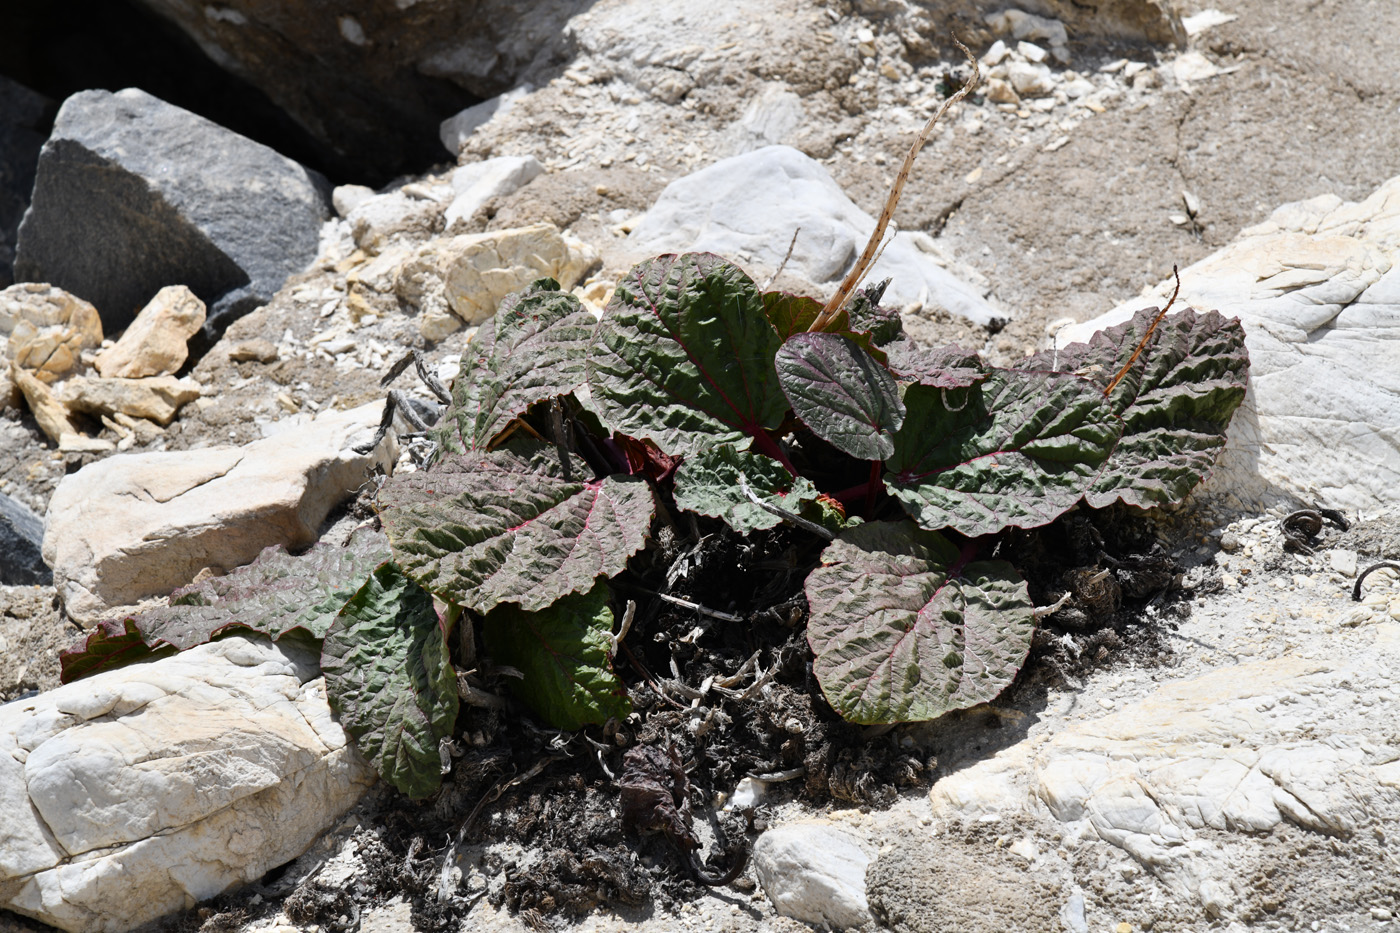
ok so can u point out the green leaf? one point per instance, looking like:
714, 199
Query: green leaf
684, 356
867, 315
903, 631
276, 594
1176, 400
563, 653
793, 314
389, 676
949, 367
533, 349
1017, 450
506, 526
841, 393
708, 484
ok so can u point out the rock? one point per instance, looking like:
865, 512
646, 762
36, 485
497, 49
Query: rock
21, 537
258, 349
48, 329
1000, 91
1152, 21
1185, 780
1030, 80
457, 129
814, 872
157, 342
470, 274
48, 411
935, 885
771, 118
23, 116
133, 194
746, 209
82, 444
138, 525
377, 222
479, 182
182, 777
1317, 288
156, 397
1023, 26
345, 198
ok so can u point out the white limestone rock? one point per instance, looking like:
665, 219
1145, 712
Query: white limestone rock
157, 342
470, 274
1317, 289
479, 182
1236, 752
47, 329
747, 207
135, 526
144, 790
814, 871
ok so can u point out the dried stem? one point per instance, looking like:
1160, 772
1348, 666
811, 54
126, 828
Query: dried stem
1113, 383
867, 257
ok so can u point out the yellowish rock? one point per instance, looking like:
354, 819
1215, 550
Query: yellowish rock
51, 413
157, 342
157, 398
48, 329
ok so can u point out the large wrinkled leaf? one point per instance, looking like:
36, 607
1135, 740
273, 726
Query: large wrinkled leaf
684, 356
563, 652
1017, 450
841, 393
275, 594
533, 349
708, 484
390, 677
1176, 400
903, 631
945, 367
506, 526
792, 314
865, 314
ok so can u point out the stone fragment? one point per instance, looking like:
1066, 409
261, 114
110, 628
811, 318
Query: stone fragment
141, 791
1000, 91
813, 871
82, 444
258, 349
138, 525
747, 207
133, 194
1317, 289
1030, 80
477, 183
378, 222
157, 342
457, 129
156, 397
21, 538
48, 411
48, 329
470, 274
345, 198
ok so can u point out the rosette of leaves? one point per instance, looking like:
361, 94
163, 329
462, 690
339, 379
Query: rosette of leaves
698, 392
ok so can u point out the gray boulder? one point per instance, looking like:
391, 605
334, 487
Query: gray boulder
21, 538
133, 194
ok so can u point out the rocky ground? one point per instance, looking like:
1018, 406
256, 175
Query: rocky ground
1068, 198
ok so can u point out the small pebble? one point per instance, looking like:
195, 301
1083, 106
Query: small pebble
1230, 542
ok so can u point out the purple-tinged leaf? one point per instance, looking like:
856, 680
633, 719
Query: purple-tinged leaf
684, 356
944, 368
275, 594
563, 652
842, 393
1017, 450
484, 528
389, 675
904, 631
792, 314
708, 484
1176, 400
533, 349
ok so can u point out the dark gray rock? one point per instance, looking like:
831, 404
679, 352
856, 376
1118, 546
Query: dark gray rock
21, 535
133, 194
24, 116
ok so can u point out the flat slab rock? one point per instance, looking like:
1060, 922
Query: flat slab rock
141, 791
134, 526
747, 208
1317, 288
